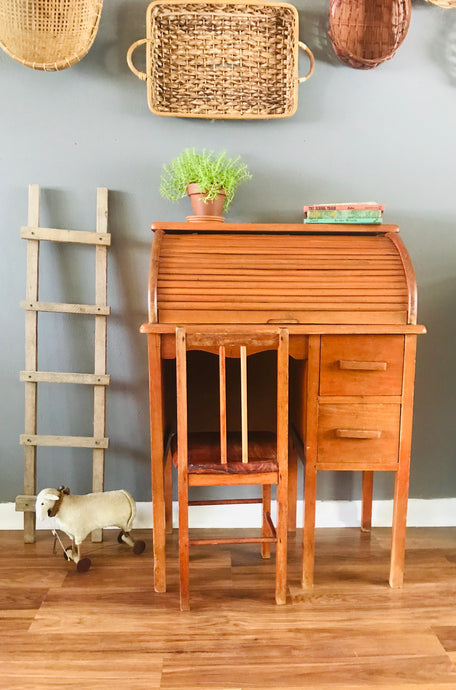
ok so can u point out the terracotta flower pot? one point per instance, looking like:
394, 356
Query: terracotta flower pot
213, 209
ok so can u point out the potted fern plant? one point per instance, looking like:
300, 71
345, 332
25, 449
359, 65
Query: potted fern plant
210, 180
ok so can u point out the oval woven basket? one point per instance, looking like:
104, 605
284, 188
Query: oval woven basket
365, 33
446, 4
48, 34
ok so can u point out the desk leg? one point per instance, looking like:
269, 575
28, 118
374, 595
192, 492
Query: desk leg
310, 460
401, 485
156, 448
308, 536
366, 503
399, 528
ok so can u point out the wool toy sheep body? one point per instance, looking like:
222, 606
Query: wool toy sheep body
79, 515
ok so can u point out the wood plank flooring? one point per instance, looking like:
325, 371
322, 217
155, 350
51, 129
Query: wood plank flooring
107, 628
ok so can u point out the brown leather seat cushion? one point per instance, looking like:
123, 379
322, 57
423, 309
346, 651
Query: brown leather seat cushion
204, 453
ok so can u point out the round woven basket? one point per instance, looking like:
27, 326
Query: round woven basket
446, 4
365, 33
48, 34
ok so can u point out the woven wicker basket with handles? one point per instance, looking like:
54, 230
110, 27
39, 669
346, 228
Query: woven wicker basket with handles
48, 34
225, 59
365, 33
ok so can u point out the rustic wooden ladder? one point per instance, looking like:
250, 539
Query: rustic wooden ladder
34, 234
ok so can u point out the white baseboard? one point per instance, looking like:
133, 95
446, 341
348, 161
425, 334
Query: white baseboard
437, 512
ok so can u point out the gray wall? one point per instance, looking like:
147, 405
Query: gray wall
386, 134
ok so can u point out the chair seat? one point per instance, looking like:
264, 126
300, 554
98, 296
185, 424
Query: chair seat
204, 453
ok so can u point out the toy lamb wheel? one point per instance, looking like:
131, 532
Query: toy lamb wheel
83, 565
139, 547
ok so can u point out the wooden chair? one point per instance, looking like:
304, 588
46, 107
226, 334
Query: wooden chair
233, 458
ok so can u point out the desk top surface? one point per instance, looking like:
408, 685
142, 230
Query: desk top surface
277, 228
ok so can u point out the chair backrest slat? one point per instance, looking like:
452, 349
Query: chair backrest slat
222, 390
244, 416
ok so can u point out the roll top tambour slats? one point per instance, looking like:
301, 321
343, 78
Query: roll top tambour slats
243, 278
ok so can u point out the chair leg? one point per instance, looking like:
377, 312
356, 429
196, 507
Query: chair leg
182, 470
184, 572
366, 503
266, 547
156, 449
281, 545
184, 547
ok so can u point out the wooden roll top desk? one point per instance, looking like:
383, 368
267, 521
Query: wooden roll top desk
347, 295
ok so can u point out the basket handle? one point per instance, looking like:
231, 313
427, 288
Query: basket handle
131, 50
310, 55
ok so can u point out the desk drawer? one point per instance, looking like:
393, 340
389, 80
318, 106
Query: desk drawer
361, 364
358, 433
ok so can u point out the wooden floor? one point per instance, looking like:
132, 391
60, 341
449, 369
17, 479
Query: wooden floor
108, 628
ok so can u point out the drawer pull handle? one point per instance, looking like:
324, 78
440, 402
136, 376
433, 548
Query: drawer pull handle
353, 365
358, 433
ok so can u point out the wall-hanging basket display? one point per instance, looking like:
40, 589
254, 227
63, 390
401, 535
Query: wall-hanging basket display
48, 34
226, 59
365, 33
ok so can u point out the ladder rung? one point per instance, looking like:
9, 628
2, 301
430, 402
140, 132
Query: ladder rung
64, 441
25, 504
62, 377
61, 308
71, 236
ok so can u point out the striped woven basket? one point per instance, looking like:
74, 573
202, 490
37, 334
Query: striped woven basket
365, 33
225, 59
48, 34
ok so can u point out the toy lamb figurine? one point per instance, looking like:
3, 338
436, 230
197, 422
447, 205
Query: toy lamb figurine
78, 516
